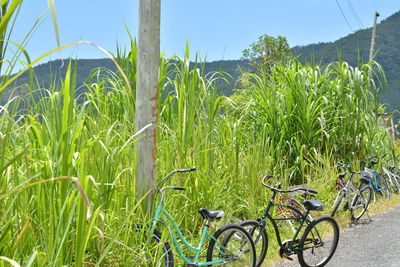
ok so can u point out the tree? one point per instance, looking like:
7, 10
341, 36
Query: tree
266, 51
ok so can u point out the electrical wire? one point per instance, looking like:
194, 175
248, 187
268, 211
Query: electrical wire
353, 11
344, 16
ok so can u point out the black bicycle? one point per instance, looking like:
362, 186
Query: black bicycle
318, 242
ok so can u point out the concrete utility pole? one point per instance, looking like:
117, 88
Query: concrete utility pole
148, 60
371, 51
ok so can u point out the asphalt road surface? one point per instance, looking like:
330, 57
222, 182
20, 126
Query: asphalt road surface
373, 243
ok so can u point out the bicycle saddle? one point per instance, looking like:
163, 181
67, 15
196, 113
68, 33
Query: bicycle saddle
312, 204
211, 214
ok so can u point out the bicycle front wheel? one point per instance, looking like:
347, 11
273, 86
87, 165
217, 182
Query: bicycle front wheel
384, 186
392, 182
153, 252
318, 242
361, 202
231, 245
337, 202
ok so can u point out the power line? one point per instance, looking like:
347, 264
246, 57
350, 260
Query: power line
353, 11
344, 16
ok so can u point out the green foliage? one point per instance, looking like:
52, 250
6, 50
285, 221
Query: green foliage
299, 111
294, 123
354, 49
266, 51
8, 9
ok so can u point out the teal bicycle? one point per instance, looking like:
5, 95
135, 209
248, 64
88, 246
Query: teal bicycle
230, 245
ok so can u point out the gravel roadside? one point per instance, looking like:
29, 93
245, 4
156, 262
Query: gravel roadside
369, 243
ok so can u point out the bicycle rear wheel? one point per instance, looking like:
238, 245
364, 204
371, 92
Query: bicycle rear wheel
360, 202
260, 238
318, 242
231, 245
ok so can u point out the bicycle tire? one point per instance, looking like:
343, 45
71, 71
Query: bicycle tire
166, 259
396, 178
259, 237
365, 193
313, 235
384, 186
233, 243
394, 184
337, 202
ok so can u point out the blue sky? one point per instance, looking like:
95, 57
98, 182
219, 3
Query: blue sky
216, 29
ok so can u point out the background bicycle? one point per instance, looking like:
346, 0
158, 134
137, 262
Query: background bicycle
390, 172
358, 198
376, 181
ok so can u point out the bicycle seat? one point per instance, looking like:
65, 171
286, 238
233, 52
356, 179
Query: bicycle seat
311, 204
211, 214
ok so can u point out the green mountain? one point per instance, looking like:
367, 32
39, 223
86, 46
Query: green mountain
353, 48
46, 72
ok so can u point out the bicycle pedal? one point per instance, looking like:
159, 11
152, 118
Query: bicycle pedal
288, 257
283, 251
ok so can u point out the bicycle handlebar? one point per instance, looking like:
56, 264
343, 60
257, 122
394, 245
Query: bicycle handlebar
175, 171
369, 158
306, 190
344, 166
186, 169
348, 168
179, 188
173, 188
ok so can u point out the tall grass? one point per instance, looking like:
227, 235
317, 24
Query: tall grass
298, 112
295, 122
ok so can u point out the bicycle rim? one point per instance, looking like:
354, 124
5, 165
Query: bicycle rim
260, 238
384, 188
233, 245
319, 242
360, 203
154, 251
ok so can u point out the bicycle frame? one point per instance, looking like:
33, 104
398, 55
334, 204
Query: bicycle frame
205, 236
373, 181
291, 203
303, 219
347, 187
393, 177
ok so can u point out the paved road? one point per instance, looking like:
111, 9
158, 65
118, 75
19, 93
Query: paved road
375, 243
